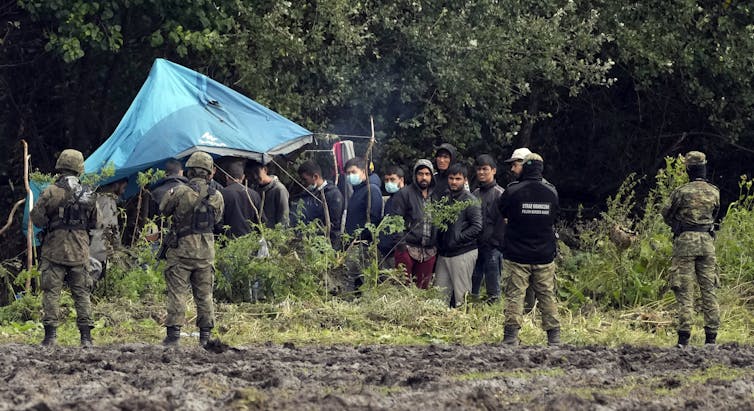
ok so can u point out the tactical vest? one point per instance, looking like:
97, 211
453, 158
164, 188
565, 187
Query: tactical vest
73, 214
202, 219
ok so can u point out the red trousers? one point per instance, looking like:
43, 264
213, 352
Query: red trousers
420, 273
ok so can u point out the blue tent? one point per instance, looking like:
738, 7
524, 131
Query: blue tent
179, 111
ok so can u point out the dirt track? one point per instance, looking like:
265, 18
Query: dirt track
148, 377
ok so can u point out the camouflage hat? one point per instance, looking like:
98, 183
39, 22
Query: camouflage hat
695, 158
533, 157
200, 159
71, 160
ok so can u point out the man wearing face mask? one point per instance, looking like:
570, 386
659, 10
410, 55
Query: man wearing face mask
364, 207
394, 181
321, 201
365, 204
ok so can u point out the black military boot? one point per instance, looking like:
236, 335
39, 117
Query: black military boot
86, 336
51, 335
510, 335
710, 335
683, 338
204, 335
553, 337
173, 335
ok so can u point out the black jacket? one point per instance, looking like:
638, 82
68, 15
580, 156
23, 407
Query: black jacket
461, 235
158, 190
275, 207
313, 209
531, 207
356, 217
409, 203
494, 226
241, 206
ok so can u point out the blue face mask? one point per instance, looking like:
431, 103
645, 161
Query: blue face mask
312, 187
354, 179
391, 187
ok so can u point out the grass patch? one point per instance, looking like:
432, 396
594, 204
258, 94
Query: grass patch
387, 315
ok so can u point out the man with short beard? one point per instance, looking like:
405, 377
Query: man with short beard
416, 247
445, 156
457, 245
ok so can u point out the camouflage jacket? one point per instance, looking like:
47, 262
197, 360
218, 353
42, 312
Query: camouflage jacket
179, 203
106, 234
694, 204
64, 245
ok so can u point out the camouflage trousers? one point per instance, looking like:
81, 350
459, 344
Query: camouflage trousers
542, 282
53, 276
196, 276
684, 271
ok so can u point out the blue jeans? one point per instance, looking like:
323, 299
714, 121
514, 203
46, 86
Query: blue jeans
487, 267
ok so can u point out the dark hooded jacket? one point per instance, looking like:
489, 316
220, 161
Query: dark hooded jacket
531, 207
241, 206
159, 188
313, 204
494, 226
364, 195
441, 177
463, 233
409, 203
274, 203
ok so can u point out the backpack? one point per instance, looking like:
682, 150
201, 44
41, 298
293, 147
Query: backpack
203, 215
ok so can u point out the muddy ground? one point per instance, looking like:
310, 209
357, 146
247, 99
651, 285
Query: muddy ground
149, 377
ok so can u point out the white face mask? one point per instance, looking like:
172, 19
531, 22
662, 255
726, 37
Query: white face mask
391, 187
312, 187
354, 179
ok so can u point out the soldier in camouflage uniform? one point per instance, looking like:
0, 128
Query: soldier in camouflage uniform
691, 215
196, 210
66, 211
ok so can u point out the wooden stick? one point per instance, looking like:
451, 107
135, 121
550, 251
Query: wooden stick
367, 159
136, 219
29, 225
10, 216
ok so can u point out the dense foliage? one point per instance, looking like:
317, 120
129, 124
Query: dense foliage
601, 88
604, 90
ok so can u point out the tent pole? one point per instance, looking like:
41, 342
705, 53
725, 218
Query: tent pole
29, 225
368, 160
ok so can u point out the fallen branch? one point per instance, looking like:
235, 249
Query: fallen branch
10, 216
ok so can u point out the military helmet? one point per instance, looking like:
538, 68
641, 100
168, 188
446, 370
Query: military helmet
695, 158
200, 159
71, 160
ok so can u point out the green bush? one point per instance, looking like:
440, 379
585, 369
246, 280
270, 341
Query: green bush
605, 272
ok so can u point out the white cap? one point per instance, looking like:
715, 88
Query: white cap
518, 154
